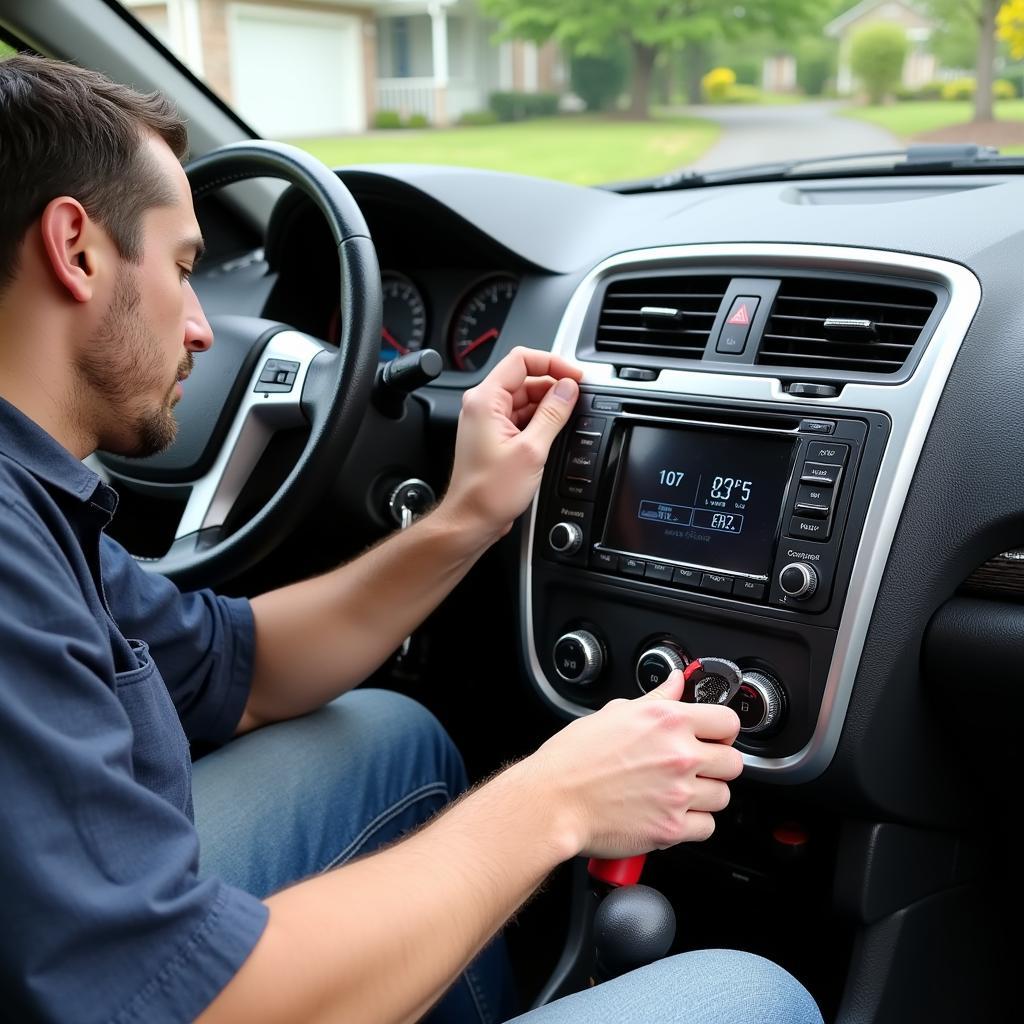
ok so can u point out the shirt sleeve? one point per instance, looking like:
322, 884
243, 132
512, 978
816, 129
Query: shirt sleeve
201, 642
103, 919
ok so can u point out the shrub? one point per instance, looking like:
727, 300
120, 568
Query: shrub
417, 121
716, 84
815, 65
959, 89
1003, 89
740, 93
478, 117
747, 70
387, 119
518, 106
876, 58
598, 81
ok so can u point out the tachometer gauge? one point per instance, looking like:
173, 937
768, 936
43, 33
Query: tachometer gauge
478, 321
404, 324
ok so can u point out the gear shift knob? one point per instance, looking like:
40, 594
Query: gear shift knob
634, 926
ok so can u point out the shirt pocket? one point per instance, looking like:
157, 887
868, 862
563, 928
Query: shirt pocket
160, 753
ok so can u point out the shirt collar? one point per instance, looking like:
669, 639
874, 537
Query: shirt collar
26, 443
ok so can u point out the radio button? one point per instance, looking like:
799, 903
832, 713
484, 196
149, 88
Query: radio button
826, 451
585, 442
590, 424
630, 566
658, 571
752, 590
819, 473
604, 560
716, 583
817, 426
581, 465
578, 490
565, 538
686, 578
811, 529
799, 580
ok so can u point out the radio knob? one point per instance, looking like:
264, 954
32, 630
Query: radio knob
799, 580
759, 703
656, 664
578, 657
565, 538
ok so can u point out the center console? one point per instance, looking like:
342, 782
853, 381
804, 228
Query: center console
723, 508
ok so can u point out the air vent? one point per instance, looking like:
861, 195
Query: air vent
834, 324
660, 316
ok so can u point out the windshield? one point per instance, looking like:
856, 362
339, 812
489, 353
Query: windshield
601, 91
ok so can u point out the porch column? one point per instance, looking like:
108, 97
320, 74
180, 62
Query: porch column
439, 49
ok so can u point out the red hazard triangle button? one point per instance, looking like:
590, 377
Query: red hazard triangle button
740, 316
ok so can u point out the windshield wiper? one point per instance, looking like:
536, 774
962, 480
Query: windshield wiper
920, 159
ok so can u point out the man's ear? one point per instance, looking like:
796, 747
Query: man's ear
68, 235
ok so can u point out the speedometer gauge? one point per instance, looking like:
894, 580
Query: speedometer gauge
404, 323
478, 321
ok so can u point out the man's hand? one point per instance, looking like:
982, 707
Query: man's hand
640, 774
506, 427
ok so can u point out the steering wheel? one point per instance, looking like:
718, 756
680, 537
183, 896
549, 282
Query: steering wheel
261, 377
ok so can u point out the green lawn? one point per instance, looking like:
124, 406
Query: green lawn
584, 150
907, 119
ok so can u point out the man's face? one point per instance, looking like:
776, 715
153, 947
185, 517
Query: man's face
153, 324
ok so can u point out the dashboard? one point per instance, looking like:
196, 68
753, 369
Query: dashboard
795, 452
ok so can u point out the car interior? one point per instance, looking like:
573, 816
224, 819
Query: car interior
796, 448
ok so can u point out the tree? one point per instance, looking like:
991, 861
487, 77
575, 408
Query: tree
1010, 27
980, 16
652, 27
877, 53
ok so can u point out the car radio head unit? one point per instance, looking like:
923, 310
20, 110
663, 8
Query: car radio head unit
703, 498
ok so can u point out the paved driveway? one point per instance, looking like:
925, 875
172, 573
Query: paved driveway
756, 134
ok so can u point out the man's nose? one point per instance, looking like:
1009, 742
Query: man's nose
198, 333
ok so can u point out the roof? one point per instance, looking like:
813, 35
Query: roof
837, 26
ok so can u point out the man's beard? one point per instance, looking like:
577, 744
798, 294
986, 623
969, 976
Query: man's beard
116, 367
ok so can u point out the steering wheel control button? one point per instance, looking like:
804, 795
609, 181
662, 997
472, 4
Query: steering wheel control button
759, 703
658, 571
799, 580
817, 427
732, 339
716, 583
277, 375
820, 473
711, 681
656, 664
686, 578
565, 538
606, 561
751, 590
578, 657
630, 566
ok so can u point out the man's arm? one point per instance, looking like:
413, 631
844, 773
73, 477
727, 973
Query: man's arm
381, 939
321, 637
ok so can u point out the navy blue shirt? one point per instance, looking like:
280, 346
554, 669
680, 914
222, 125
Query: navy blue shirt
106, 674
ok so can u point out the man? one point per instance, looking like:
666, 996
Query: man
115, 908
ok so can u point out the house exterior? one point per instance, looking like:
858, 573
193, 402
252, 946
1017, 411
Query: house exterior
920, 66
307, 68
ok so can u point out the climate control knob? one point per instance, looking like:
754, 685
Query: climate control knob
760, 702
657, 663
798, 580
565, 538
578, 657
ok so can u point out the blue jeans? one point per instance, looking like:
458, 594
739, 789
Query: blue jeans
301, 797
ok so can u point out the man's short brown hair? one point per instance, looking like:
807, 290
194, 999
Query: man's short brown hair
66, 130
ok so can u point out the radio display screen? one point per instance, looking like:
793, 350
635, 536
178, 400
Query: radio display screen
700, 497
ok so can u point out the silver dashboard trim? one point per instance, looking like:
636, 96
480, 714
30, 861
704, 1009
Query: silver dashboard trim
910, 406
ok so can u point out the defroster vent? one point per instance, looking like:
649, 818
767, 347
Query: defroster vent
660, 316
834, 324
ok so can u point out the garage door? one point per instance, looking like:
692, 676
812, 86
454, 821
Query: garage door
297, 73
